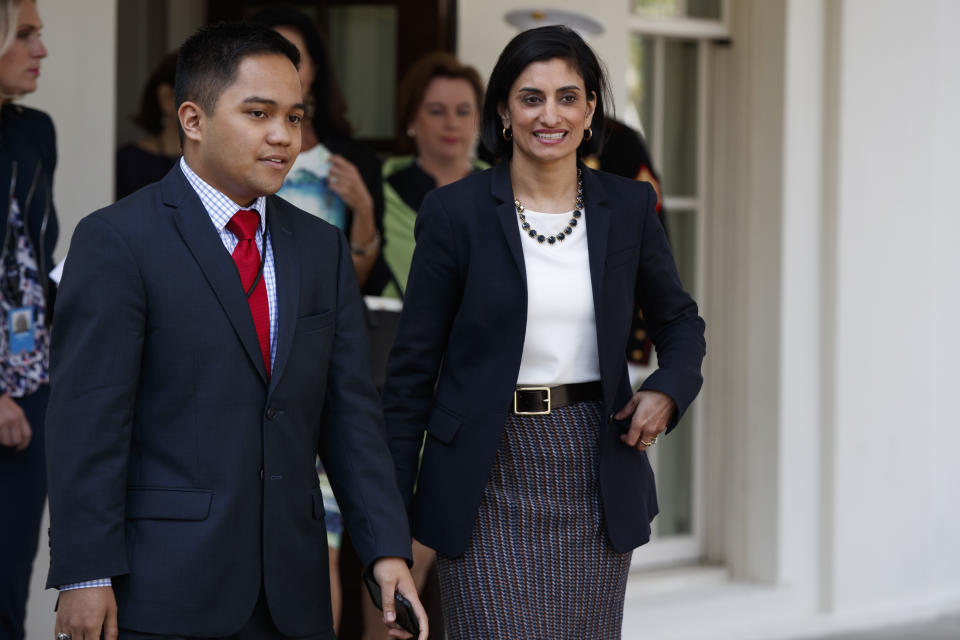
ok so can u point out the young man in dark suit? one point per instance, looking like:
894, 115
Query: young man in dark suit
209, 343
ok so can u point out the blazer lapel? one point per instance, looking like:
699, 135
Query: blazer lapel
287, 262
598, 232
218, 267
503, 191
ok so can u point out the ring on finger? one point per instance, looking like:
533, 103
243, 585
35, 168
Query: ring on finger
333, 179
63, 636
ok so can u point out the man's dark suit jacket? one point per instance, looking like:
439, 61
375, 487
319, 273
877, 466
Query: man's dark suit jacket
175, 466
455, 362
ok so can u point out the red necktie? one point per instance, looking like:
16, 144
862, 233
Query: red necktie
244, 224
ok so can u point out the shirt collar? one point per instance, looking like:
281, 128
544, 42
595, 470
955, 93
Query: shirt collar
219, 207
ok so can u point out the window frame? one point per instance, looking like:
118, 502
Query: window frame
689, 548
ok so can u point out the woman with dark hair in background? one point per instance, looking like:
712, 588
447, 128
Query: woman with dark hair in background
338, 179
534, 485
438, 108
149, 159
28, 224
334, 177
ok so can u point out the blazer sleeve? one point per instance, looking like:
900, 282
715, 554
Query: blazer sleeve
370, 169
676, 328
352, 442
430, 303
97, 342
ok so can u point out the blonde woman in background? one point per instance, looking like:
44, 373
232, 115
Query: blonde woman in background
438, 111
28, 225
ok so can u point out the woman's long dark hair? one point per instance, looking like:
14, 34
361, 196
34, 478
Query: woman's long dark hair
538, 45
150, 116
330, 107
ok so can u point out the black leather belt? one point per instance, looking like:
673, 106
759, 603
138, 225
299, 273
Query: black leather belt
539, 401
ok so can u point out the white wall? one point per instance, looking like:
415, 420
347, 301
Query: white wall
896, 425
835, 292
482, 34
800, 448
77, 89
832, 271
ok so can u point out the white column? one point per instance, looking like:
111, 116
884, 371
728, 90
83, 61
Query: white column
78, 90
896, 521
799, 446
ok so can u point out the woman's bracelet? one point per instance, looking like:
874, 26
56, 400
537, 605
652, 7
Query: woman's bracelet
366, 249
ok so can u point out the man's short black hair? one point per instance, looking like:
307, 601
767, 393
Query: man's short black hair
207, 62
329, 106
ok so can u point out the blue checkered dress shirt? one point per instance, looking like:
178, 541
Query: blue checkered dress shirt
220, 208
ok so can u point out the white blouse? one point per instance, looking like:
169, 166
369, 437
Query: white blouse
560, 346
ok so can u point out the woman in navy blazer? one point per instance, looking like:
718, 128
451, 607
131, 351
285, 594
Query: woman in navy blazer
534, 484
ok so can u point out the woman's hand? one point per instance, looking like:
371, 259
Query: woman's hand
651, 411
15, 431
346, 182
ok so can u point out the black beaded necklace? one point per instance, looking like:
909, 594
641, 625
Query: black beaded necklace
577, 212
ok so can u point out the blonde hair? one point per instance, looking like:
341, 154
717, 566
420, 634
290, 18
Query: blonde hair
9, 18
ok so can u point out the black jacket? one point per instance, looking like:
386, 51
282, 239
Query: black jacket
457, 355
28, 155
184, 472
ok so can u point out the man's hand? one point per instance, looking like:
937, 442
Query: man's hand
651, 411
15, 431
82, 613
393, 575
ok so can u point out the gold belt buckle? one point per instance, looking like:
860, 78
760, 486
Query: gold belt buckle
516, 411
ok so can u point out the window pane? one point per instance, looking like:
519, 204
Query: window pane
679, 166
657, 8
673, 460
703, 9
673, 469
681, 227
640, 81
363, 44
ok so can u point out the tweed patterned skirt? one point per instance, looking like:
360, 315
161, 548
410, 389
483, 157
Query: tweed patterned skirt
539, 565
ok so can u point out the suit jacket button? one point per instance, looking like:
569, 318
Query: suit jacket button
261, 473
271, 413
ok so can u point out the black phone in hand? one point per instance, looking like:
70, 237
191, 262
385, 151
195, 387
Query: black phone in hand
406, 617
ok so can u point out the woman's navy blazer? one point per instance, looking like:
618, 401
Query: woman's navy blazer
454, 365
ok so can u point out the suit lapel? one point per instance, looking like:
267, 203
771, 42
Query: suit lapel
598, 231
287, 261
507, 214
217, 265
599, 216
